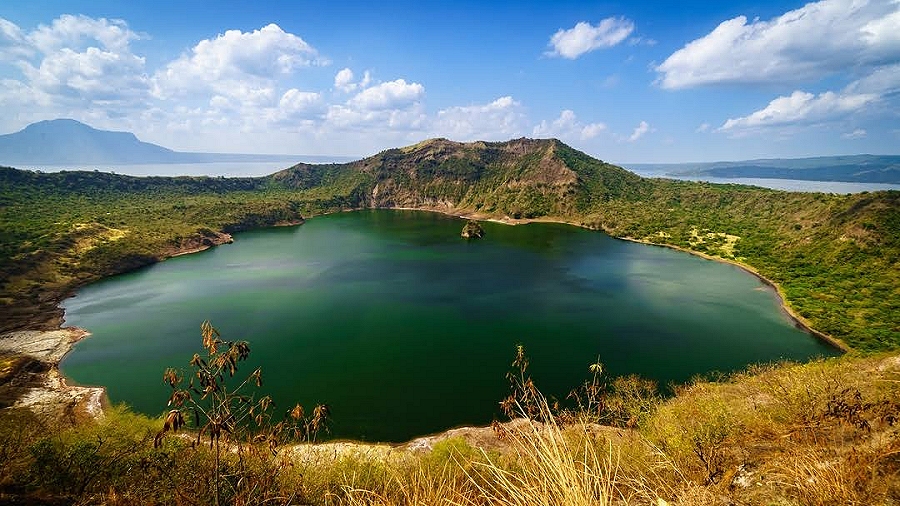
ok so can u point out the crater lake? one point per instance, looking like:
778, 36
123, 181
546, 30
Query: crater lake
405, 329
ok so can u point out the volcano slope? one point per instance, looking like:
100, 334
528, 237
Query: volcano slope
833, 257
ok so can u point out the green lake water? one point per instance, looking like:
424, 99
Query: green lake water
405, 329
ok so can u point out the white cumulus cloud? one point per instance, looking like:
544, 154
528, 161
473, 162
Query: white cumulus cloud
567, 127
639, 131
375, 121
876, 92
94, 74
389, 105
498, 120
236, 60
395, 94
818, 39
585, 37
68, 31
74, 62
343, 80
798, 108
859, 133
13, 42
883, 81
296, 104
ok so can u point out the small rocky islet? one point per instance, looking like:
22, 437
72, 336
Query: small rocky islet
472, 230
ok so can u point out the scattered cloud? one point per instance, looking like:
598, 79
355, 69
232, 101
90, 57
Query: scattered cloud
75, 63
882, 32
78, 32
592, 130
816, 40
876, 92
14, 44
641, 41
501, 119
240, 64
567, 128
250, 90
800, 108
343, 80
585, 37
219, 91
639, 131
883, 81
295, 104
396, 94
392, 105
343, 117
610, 81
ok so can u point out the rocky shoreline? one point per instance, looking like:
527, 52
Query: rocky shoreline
30, 356
39, 386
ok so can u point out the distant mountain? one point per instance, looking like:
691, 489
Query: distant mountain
854, 169
66, 141
63, 141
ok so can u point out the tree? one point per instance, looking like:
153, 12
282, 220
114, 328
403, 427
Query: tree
231, 415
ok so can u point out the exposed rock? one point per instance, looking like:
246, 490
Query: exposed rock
46, 346
56, 400
202, 240
36, 383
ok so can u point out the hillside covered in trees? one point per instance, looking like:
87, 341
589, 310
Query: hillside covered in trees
835, 257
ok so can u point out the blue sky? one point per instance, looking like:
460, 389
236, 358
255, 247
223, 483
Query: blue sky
623, 81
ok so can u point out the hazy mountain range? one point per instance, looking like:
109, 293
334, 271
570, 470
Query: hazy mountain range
852, 168
66, 141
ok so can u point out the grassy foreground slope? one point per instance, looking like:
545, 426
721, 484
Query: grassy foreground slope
821, 433
835, 257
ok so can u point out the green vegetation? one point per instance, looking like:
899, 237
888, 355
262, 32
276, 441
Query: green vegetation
810, 434
820, 433
229, 415
60, 231
835, 257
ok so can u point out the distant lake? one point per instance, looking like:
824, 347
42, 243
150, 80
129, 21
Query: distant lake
406, 329
793, 185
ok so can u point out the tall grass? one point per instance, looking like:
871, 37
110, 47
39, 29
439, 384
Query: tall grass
545, 463
816, 434
554, 468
